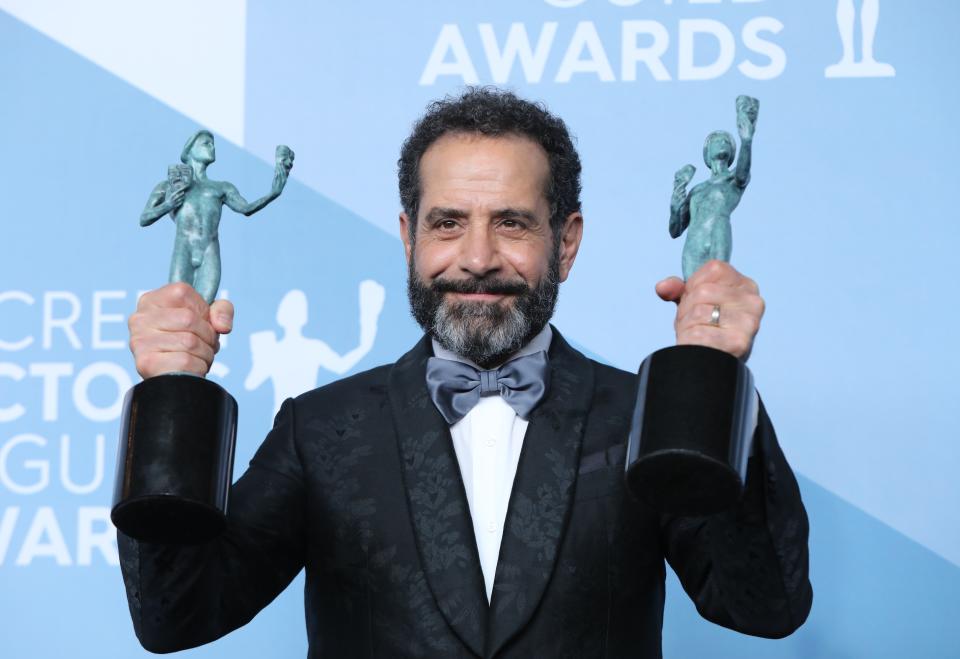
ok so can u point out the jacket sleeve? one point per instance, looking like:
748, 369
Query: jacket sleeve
747, 568
184, 596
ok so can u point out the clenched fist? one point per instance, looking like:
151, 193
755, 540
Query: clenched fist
715, 284
174, 331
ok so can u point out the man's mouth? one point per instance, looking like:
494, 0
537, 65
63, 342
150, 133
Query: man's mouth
478, 297
474, 290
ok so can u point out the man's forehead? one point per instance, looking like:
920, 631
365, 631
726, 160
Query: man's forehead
485, 164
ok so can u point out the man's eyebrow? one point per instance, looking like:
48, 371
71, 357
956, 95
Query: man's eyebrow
515, 214
439, 213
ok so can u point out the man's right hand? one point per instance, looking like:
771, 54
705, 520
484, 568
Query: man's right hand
176, 199
174, 331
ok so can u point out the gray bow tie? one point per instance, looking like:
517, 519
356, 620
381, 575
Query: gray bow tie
456, 387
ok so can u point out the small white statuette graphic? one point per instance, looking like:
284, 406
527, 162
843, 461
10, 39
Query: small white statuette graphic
293, 361
867, 67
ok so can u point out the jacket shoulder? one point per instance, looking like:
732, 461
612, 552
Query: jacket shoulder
607, 375
365, 387
614, 390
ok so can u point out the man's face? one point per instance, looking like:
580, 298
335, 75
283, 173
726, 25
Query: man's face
203, 149
484, 265
720, 148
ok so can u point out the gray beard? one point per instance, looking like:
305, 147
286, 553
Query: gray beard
484, 332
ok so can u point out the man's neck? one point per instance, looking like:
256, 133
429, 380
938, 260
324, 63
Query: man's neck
539, 342
199, 170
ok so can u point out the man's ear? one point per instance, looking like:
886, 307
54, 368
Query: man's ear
570, 237
405, 235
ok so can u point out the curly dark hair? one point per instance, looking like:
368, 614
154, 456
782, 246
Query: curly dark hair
494, 112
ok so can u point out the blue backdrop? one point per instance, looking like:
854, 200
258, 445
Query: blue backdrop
849, 226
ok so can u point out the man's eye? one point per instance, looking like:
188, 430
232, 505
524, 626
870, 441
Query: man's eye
447, 224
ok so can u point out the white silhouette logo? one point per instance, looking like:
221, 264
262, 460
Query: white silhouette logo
867, 67
293, 362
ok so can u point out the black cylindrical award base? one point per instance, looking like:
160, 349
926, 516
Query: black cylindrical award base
692, 431
175, 461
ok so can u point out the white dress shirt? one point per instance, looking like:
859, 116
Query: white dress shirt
487, 442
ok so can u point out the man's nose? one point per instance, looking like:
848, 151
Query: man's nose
478, 251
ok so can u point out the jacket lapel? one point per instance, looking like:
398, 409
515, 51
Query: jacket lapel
437, 501
542, 494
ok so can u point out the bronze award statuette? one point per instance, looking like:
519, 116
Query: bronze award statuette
178, 432
696, 407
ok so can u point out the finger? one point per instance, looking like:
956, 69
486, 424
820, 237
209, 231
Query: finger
750, 286
159, 363
177, 319
708, 292
177, 294
715, 271
723, 291
689, 315
730, 319
699, 303
221, 316
735, 343
158, 349
670, 289
174, 342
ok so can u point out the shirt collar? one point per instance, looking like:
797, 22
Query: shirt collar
540, 342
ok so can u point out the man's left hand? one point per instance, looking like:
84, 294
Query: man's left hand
715, 284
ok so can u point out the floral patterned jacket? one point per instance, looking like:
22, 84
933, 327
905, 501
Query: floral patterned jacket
358, 483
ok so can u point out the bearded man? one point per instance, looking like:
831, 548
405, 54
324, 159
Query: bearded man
468, 500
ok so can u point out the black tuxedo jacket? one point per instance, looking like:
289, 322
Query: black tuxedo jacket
359, 484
